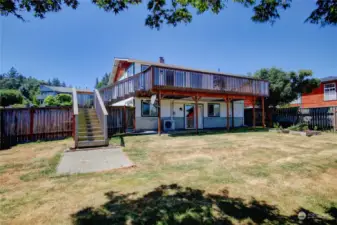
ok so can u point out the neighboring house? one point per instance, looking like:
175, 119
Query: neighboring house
46, 90
323, 96
219, 97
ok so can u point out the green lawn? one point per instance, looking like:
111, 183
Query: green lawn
213, 178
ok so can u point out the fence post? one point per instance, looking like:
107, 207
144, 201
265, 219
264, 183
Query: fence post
31, 125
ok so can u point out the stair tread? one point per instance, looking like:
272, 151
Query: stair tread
93, 143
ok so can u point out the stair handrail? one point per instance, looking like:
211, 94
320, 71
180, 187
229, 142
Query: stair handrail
75, 117
102, 114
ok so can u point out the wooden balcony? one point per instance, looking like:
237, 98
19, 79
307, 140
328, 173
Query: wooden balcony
157, 78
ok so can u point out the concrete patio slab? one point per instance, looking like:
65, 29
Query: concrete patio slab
86, 161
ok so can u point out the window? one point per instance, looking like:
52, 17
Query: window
130, 71
214, 110
219, 82
180, 78
148, 109
169, 78
143, 67
329, 92
196, 79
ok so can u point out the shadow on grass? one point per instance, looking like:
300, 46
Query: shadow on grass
217, 131
173, 204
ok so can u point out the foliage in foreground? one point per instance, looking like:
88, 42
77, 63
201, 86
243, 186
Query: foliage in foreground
177, 11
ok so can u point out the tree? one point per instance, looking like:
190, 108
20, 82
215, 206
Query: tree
104, 82
63, 84
24, 89
96, 83
56, 82
285, 87
14, 80
176, 11
10, 97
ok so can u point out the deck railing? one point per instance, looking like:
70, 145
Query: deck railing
102, 114
184, 80
127, 87
85, 100
165, 78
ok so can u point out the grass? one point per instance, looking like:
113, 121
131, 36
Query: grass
241, 177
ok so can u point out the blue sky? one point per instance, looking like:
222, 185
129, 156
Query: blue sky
79, 45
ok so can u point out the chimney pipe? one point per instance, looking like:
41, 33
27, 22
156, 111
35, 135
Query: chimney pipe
161, 59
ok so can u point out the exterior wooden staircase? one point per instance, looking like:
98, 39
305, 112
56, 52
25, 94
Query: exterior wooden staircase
89, 121
90, 133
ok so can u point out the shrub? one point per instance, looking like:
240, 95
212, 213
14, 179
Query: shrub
51, 101
58, 100
276, 125
10, 97
299, 127
64, 99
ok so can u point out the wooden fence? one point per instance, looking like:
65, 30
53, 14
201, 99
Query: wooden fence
31, 124
121, 119
316, 118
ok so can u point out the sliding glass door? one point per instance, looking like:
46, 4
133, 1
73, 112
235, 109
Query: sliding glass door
190, 117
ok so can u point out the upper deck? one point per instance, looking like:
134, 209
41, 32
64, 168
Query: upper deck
156, 78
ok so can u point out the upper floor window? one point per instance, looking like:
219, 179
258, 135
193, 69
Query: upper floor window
213, 110
329, 92
196, 80
131, 70
169, 78
143, 67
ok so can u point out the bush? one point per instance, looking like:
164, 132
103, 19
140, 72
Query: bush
10, 97
51, 101
63, 98
19, 106
58, 100
299, 127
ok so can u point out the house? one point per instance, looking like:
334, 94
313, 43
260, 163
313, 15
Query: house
322, 96
178, 98
46, 90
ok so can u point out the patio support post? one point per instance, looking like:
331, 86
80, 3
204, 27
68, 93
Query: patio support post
125, 118
232, 113
196, 109
227, 112
159, 109
254, 117
263, 116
